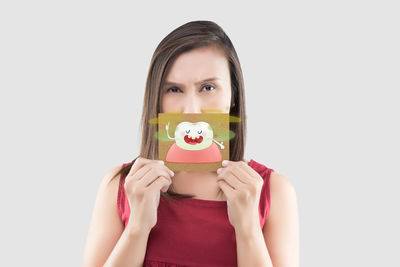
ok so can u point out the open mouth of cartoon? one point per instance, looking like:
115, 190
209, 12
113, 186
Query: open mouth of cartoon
193, 141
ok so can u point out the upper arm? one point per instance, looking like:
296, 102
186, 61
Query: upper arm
106, 226
281, 229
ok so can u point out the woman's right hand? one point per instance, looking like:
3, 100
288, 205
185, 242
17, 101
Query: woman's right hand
142, 186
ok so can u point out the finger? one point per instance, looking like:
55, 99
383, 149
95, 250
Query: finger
226, 163
242, 174
160, 183
244, 167
231, 179
139, 163
165, 188
150, 166
152, 175
238, 172
226, 188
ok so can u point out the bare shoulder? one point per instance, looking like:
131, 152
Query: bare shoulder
111, 179
109, 184
283, 200
281, 186
283, 197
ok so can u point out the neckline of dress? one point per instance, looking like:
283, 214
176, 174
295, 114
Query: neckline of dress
208, 201
204, 201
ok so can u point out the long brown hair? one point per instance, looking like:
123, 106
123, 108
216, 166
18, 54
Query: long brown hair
189, 36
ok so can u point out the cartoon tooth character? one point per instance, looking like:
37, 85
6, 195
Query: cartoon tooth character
193, 143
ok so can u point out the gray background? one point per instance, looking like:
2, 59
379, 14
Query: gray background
321, 80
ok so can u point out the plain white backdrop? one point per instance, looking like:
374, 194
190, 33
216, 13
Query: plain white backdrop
322, 84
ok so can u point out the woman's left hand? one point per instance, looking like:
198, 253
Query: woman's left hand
242, 188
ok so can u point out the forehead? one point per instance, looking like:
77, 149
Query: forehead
199, 64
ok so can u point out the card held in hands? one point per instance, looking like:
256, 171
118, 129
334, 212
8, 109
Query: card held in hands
193, 141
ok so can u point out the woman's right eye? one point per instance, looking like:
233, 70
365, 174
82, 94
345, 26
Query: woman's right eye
173, 88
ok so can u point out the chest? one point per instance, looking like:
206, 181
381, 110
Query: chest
192, 233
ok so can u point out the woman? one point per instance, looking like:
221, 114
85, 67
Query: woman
205, 218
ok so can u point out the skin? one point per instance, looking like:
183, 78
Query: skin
277, 243
237, 183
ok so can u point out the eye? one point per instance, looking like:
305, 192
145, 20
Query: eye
199, 132
208, 86
187, 131
173, 88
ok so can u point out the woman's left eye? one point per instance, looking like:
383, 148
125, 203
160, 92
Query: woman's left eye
208, 86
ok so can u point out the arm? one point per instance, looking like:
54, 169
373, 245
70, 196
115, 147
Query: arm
277, 244
220, 144
281, 229
107, 242
251, 248
130, 249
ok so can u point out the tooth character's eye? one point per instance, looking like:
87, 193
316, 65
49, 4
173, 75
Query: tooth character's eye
187, 131
199, 132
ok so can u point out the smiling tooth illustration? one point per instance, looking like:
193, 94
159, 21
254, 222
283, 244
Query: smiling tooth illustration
193, 136
193, 144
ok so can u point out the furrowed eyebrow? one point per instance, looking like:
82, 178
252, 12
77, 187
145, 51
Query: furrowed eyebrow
206, 80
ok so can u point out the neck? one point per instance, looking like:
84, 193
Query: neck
196, 182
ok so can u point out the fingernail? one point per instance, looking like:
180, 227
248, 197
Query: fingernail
160, 161
172, 173
224, 163
219, 170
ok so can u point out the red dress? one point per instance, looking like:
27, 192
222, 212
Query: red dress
194, 232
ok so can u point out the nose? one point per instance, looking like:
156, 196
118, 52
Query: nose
192, 104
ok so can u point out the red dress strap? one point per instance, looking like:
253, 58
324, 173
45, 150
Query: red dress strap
265, 196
